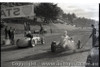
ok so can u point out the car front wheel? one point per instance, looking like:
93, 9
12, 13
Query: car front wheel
32, 43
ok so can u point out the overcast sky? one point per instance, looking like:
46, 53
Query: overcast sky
88, 10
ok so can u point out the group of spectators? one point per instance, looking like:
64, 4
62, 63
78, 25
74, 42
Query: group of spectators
9, 34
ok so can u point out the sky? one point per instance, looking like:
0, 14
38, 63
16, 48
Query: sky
82, 8
87, 10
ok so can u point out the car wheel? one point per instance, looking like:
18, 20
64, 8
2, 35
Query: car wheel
89, 61
53, 47
17, 43
32, 43
42, 41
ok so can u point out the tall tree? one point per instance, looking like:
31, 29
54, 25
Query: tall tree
48, 11
71, 17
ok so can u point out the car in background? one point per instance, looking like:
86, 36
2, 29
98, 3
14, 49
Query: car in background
93, 57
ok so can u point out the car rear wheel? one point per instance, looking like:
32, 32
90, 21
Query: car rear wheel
17, 42
42, 41
53, 47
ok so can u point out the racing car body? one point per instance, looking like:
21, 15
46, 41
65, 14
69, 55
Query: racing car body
26, 41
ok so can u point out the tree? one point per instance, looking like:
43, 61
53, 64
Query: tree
71, 17
48, 11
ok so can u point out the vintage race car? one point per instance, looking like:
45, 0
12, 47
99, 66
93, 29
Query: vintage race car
67, 44
29, 42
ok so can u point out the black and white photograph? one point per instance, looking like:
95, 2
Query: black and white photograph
49, 34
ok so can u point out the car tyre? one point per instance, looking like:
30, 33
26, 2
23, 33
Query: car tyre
53, 47
17, 43
89, 61
31, 43
42, 41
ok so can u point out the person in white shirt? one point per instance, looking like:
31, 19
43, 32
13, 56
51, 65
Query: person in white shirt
67, 41
64, 39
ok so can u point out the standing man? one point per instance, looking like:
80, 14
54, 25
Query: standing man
6, 32
41, 34
93, 35
28, 25
25, 26
51, 30
41, 29
12, 35
9, 33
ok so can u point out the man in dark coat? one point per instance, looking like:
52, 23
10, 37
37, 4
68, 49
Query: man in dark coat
93, 35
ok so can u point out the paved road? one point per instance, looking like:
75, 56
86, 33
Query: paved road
41, 55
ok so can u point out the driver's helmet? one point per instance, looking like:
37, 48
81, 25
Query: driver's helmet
29, 32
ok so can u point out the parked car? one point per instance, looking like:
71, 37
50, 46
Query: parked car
93, 57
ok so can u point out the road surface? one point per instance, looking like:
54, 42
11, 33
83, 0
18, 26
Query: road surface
41, 56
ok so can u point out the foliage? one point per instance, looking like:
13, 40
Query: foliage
78, 21
48, 11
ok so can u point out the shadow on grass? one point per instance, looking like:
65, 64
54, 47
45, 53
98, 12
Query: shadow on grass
48, 54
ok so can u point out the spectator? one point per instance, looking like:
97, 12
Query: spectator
25, 26
9, 33
93, 35
51, 30
78, 44
12, 31
6, 32
41, 29
28, 25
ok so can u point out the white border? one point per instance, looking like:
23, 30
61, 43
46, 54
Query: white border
55, 1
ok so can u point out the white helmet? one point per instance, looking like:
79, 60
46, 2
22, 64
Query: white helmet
65, 32
29, 32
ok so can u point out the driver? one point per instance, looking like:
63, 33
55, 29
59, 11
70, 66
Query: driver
29, 34
64, 39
